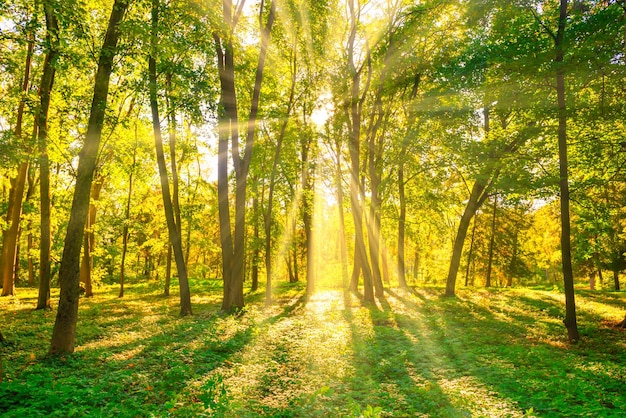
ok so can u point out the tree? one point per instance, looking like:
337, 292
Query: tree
63, 333
16, 194
566, 252
173, 221
233, 253
353, 107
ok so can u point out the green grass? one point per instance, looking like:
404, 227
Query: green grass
485, 353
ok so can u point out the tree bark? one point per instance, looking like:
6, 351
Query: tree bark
89, 238
616, 280
168, 271
64, 330
254, 282
492, 240
14, 212
402, 220
275, 162
227, 129
469, 254
175, 238
172, 127
127, 217
353, 107
375, 157
233, 250
477, 197
566, 254
342, 222
308, 201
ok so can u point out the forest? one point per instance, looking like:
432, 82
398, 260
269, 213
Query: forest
361, 208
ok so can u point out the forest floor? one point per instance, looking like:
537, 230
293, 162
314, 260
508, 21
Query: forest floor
485, 353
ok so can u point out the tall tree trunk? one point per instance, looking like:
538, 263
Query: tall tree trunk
353, 107
31, 264
90, 236
308, 201
401, 220
356, 269
256, 253
227, 128
401, 190
233, 250
375, 151
172, 127
14, 212
168, 271
471, 250
616, 279
342, 221
127, 217
45, 88
492, 240
477, 197
294, 251
29, 227
273, 174
173, 228
64, 330
566, 254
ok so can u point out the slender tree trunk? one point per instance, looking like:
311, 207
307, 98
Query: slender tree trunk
294, 250
375, 151
172, 127
254, 285
273, 174
127, 216
168, 271
64, 330
471, 250
353, 109
233, 251
342, 221
227, 127
491, 242
14, 212
86, 266
173, 229
11, 237
308, 201
401, 220
31, 264
356, 269
566, 255
616, 279
477, 197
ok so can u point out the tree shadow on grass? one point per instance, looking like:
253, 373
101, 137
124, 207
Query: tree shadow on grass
157, 367
535, 373
390, 371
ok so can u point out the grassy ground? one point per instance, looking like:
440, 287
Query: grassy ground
483, 354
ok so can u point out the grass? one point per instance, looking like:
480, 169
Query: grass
484, 353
